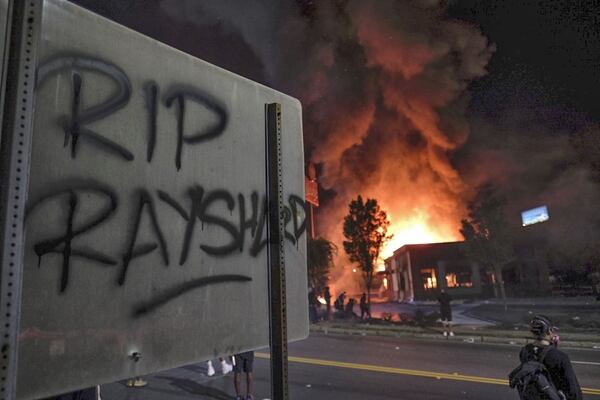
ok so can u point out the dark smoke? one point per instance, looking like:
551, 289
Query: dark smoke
384, 86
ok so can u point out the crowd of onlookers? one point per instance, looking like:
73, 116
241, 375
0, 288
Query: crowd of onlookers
341, 307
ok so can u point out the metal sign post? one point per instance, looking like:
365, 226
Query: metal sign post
276, 237
19, 56
133, 202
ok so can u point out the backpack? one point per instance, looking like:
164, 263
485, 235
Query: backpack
533, 380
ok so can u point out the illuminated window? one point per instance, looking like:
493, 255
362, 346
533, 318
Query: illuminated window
451, 280
457, 277
428, 278
385, 283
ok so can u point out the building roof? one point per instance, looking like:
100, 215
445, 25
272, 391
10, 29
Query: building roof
444, 250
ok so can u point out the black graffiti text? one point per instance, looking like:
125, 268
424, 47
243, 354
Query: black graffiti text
198, 209
74, 125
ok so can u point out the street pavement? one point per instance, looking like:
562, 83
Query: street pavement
374, 368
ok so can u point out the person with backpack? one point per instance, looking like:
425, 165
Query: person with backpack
545, 372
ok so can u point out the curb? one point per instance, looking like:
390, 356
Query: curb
460, 336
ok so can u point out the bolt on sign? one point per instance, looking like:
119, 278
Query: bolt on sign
145, 219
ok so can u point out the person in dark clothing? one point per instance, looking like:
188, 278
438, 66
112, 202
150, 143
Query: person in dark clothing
446, 312
364, 307
312, 306
556, 362
350, 308
243, 362
340, 301
327, 296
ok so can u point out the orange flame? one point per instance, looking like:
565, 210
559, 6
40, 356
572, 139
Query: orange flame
393, 140
415, 231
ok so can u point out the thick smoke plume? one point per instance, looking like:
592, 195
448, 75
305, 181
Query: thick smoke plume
383, 85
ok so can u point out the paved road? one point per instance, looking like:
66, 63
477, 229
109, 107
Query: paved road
352, 368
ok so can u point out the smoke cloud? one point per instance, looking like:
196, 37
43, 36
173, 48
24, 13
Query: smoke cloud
383, 86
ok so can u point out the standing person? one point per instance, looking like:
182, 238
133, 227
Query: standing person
350, 308
243, 362
225, 367
446, 312
556, 366
312, 306
340, 302
364, 307
327, 296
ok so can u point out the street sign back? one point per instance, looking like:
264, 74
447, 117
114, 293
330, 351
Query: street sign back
145, 220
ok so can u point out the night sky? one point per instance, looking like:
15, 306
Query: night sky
424, 99
547, 59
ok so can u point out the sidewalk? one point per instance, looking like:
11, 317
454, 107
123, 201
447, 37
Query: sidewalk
464, 333
462, 314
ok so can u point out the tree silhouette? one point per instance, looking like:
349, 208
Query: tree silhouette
320, 260
365, 230
487, 235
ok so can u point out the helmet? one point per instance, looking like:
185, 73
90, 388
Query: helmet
540, 326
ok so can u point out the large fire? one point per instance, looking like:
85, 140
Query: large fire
383, 86
414, 228
415, 231
384, 92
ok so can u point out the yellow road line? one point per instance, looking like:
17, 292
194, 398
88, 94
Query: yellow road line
402, 371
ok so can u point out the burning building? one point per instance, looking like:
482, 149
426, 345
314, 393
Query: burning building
384, 91
420, 271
